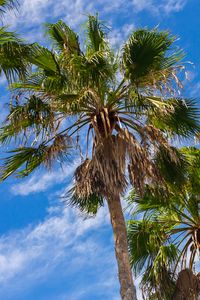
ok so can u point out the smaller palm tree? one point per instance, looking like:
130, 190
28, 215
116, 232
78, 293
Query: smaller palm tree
167, 237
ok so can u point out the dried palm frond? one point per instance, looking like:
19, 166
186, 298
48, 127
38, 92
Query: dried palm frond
58, 150
105, 173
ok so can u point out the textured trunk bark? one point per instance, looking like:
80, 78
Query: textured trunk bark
127, 289
187, 286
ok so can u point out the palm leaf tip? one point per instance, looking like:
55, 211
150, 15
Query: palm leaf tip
184, 120
96, 34
63, 37
6, 5
88, 205
30, 157
26, 159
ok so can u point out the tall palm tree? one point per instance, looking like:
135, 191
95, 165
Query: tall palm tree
13, 51
123, 106
166, 239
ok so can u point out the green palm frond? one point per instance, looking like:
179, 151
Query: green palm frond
26, 159
145, 239
44, 59
31, 157
89, 205
149, 105
193, 157
96, 32
175, 116
138, 235
153, 255
155, 198
145, 56
172, 165
182, 119
32, 83
158, 283
63, 37
33, 114
39, 82
100, 68
8, 5
13, 55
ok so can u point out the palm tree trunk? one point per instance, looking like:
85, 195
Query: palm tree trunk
127, 289
187, 286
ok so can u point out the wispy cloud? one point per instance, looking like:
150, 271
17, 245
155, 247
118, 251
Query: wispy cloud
171, 6
41, 182
195, 89
66, 243
65, 240
32, 14
117, 36
165, 6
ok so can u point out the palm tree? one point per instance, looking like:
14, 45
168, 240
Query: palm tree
13, 51
167, 237
122, 105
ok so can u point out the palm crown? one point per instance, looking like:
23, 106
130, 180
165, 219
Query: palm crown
123, 105
117, 99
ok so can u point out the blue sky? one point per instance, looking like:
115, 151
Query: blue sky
47, 250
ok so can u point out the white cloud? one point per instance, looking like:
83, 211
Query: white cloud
173, 6
41, 182
195, 89
140, 5
60, 231
65, 240
36, 12
165, 6
32, 14
117, 36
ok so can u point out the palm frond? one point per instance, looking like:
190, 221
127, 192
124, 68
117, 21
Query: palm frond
181, 120
32, 83
153, 255
44, 59
26, 159
31, 157
6, 5
88, 205
13, 55
96, 32
192, 155
145, 56
146, 239
63, 37
34, 114
172, 168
